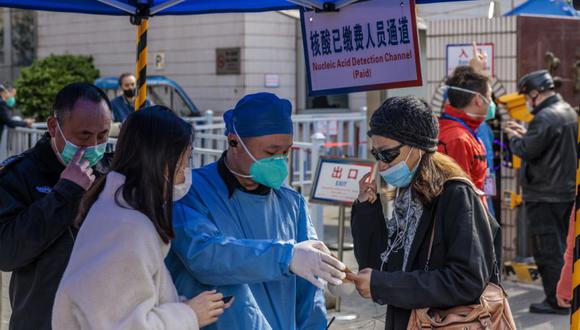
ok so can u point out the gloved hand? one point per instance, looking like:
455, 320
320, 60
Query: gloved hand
312, 259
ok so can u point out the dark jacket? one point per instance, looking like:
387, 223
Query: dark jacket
37, 210
461, 263
548, 151
122, 108
6, 120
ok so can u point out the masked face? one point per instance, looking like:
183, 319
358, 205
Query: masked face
181, 189
532, 99
11, 101
128, 86
182, 178
129, 93
399, 175
91, 154
395, 160
270, 171
85, 126
488, 107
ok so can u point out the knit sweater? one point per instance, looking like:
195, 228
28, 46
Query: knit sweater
116, 277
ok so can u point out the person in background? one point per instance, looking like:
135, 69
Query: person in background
125, 233
548, 177
564, 287
241, 230
124, 104
485, 134
7, 103
40, 191
434, 200
469, 96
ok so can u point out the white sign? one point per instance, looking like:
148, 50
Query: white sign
461, 54
364, 46
327, 127
159, 61
337, 180
272, 80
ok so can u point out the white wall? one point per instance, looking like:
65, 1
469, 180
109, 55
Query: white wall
189, 43
500, 31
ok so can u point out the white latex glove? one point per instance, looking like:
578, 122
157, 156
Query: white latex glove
312, 261
343, 290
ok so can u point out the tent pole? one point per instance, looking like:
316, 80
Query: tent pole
141, 69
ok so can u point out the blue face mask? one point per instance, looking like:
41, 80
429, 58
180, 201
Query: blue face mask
400, 175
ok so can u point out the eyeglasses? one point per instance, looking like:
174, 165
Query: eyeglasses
387, 155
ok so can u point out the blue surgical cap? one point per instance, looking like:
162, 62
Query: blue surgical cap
258, 115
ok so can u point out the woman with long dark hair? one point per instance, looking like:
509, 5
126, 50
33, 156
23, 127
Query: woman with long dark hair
437, 248
116, 277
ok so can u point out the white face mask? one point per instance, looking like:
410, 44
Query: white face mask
180, 190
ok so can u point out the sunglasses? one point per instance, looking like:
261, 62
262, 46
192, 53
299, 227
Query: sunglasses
387, 155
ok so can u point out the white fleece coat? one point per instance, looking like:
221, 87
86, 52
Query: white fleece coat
116, 277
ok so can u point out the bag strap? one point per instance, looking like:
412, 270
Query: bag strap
432, 239
430, 245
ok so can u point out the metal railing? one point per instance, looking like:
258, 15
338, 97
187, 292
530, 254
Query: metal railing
346, 132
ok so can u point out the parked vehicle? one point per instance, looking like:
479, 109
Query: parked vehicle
160, 90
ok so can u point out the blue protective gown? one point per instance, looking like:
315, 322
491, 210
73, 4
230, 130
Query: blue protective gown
242, 246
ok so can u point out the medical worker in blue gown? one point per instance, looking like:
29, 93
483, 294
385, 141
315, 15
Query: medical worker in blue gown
241, 231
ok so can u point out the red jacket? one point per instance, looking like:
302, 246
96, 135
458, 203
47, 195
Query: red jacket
456, 141
564, 288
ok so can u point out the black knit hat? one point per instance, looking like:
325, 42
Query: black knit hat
408, 120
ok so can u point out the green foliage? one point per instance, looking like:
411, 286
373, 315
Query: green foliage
39, 83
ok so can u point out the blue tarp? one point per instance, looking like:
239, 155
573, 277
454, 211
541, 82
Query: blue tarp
187, 7
544, 8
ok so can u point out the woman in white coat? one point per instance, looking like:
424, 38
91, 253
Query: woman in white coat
116, 277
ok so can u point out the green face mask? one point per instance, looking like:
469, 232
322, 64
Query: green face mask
11, 101
491, 111
92, 154
271, 171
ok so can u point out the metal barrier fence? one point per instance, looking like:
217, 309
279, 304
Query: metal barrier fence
210, 142
207, 149
346, 133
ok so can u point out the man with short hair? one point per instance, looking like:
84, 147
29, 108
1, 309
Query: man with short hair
124, 104
40, 192
470, 101
242, 231
548, 177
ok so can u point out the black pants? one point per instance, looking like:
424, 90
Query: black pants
548, 225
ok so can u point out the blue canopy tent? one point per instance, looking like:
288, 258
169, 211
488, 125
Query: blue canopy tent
544, 7
141, 10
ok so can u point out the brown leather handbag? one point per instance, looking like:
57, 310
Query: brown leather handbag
492, 313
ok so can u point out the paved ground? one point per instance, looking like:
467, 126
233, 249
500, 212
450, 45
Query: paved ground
4, 302
371, 316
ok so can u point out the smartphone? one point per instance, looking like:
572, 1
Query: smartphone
227, 299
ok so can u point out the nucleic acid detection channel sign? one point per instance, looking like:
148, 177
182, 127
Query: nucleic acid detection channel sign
369, 45
336, 180
461, 54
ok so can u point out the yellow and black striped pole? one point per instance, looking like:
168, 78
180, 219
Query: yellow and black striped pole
575, 319
141, 72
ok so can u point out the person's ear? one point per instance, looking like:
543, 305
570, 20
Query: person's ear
51, 125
